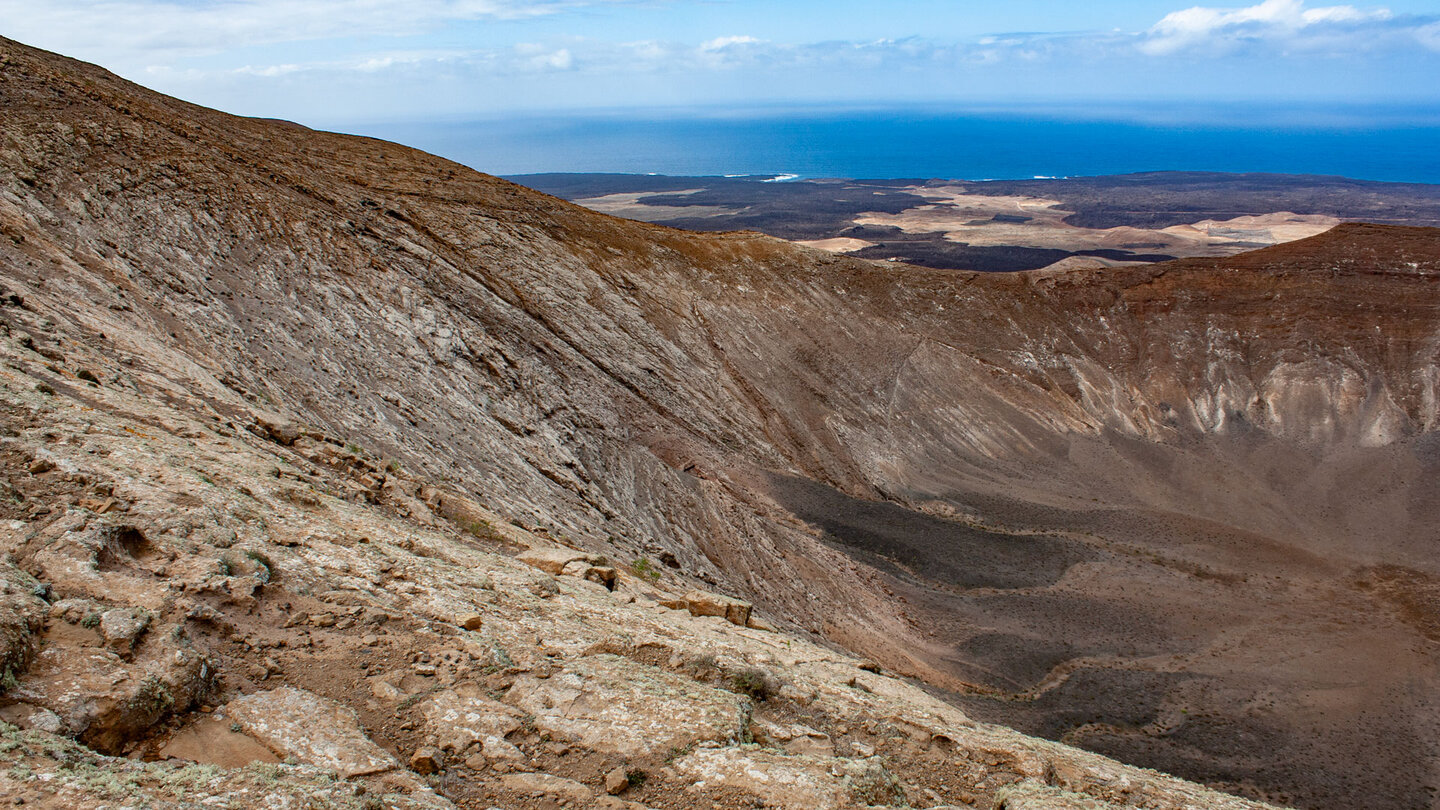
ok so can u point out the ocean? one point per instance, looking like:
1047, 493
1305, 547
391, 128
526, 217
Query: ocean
1390, 143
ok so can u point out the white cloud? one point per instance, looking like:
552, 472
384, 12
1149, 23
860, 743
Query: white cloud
269, 71
1189, 32
721, 43
1429, 36
168, 29
259, 55
1223, 29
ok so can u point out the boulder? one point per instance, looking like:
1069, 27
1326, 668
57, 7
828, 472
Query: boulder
617, 706
459, 718
427, 759
603, 575
704, 603
553, 560
793, 738
792, 782
780, 781
122, 628
543, 784
107, 701
22, 616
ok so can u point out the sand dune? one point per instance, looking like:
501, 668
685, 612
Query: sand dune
1037, 222
840, 244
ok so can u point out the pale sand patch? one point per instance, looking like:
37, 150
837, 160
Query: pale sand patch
1282, 226
1070, 263
839, 244
968, 219
628, 205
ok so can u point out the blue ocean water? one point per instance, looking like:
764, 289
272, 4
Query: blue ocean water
1395, 144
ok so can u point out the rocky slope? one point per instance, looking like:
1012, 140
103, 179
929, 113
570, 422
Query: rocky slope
1176, 512
265, 618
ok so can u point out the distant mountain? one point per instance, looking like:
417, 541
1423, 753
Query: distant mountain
1179, 513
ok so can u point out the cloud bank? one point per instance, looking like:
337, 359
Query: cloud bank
167, 29
400, 57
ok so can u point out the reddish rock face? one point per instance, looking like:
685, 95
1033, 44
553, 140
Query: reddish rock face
1138, 505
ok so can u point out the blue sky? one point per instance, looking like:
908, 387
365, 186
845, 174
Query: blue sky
333, 62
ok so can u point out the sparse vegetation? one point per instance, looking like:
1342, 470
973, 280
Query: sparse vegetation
756, 684
91, 621
678, 752
645, 569
153, 698
481, 529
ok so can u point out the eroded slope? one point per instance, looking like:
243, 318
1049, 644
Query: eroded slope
1211, 479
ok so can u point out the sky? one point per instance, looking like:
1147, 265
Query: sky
332, 62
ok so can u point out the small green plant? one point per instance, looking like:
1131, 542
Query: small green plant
236, 727
481, 529
678, 751
91, 621
636, 777
393, 466
645, 569
354, 449
753, 683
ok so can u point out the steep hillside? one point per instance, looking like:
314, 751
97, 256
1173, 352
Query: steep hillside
1179, 513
